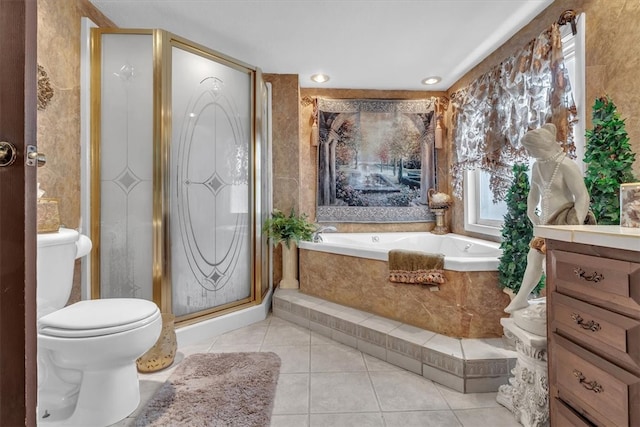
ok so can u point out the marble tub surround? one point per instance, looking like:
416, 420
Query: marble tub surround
467, 365
469, 304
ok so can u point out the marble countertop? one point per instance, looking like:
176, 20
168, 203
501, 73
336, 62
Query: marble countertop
612, 236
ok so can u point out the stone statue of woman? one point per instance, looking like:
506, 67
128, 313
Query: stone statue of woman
559, 192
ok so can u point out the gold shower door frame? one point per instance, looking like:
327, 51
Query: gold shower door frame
163, 42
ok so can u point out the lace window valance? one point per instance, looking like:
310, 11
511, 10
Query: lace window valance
491, 115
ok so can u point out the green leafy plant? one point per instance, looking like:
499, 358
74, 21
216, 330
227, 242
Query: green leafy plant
282, 228
517, 232
610, 161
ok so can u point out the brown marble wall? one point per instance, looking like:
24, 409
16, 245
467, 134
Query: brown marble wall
59, 123
285, 136
468, 305
286, 153
612, 60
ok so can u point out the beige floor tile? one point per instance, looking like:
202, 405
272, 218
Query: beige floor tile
458, 400
248, 335
374, 364
342, 392
290, 420
372, 419
234, 348
336, 358
405, 391
325, 383
292, 394
486, 417
293, 358
319, 339
287, 333
421, 419
195, 348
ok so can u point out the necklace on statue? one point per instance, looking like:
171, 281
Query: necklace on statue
552, 158
546, 191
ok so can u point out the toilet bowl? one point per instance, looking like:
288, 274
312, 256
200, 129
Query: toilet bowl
87, 374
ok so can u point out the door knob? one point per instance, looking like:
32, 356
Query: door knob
8, 153
35, 158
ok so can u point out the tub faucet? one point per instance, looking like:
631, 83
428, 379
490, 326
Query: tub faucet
317, 238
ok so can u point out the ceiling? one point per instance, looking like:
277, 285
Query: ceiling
375, 44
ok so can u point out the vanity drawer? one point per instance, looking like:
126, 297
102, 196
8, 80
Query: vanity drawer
564, 416
612, 335
599, 389
613, 283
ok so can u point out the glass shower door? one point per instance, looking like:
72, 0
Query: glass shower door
209, 187
123, 167
179, 182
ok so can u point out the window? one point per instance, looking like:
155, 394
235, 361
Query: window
483, 216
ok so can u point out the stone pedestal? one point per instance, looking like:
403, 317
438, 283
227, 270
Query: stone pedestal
441, 227
527, 394
289, 266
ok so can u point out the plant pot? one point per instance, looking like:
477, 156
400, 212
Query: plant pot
289, 266
163, 351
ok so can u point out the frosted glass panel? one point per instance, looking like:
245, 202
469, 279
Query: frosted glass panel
209, 183
126, 162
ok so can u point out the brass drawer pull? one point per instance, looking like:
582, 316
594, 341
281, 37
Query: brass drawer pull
589, 385
592, 325
595, 277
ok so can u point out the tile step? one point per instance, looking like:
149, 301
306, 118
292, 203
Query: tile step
467, 365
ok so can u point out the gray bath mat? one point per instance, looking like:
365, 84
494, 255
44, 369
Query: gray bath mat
216, 389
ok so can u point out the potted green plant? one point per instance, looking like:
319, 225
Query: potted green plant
610, 161
288, 231
517, 232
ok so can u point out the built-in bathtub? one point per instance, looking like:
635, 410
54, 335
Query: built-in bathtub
351, 269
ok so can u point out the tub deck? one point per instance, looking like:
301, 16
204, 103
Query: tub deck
468, 365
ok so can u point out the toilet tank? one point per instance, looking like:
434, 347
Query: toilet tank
56, 255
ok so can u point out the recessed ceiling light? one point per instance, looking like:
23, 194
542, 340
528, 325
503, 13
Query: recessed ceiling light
320, 78
431, 80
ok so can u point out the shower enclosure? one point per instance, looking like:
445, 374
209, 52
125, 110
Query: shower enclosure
179, 182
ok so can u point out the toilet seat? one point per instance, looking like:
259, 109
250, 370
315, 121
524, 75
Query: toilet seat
93, 318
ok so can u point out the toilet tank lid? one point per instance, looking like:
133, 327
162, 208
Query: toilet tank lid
99, 314
62, 236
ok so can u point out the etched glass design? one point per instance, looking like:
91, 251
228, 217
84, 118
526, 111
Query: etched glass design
126, 166
209, 183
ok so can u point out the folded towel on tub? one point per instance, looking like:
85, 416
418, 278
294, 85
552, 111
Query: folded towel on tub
416, 267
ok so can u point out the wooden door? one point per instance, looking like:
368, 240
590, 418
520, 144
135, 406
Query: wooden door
18, 339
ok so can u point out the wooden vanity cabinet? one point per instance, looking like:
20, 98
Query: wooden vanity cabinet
593, 321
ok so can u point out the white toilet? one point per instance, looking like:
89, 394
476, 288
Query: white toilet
87, 351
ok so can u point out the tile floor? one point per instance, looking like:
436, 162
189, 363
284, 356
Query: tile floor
324, 383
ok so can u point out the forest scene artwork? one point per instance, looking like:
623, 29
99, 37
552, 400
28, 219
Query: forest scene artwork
374, 154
